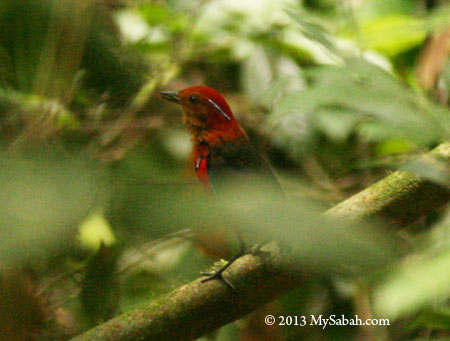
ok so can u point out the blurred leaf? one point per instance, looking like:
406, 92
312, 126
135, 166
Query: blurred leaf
311, 29
444, 83
132, 26
438, 19
380, 8
420, 280
110, 68
394, 146
95, 231
336, 123
293, 45
437, 240
375, 97
392, 34
257, 75
434, 170
42, 201
293, 132
414, 285
438, 318
22, 33
44, 44
289, 78
315, 243
156, 14
99, 294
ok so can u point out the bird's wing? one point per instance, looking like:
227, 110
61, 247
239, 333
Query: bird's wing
239, 163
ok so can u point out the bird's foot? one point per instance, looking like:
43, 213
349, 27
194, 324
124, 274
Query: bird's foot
218, 274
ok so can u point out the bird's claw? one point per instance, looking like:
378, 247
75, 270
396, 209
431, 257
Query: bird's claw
216, 275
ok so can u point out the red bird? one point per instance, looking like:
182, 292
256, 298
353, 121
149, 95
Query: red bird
222, 152
221, 149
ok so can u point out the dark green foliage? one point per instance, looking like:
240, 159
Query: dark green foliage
100, 291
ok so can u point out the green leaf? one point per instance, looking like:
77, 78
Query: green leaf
419, 281
438, 318
311, 29
42, 200
155, 14
392, 34
380, 102
337, 123
394, 146
257, 75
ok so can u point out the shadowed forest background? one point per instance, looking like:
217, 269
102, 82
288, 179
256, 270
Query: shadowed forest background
100, 210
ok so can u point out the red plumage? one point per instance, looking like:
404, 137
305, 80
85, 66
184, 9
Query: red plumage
223, 156
222, 152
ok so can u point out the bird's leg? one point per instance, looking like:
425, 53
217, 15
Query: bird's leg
218, 274
243, 250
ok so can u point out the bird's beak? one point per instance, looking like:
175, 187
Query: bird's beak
171, 96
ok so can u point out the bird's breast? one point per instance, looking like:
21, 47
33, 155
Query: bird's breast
201, 168
201, 157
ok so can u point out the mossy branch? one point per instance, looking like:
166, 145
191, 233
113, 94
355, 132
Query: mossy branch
197, 308
401, 197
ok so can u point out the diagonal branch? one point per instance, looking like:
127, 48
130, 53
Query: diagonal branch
196, 309
401, 197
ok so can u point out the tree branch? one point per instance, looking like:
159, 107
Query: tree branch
198, 308
401, 197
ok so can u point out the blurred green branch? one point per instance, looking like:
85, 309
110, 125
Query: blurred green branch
195, 309
402, 197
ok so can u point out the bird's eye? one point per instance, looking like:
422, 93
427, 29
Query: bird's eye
193, 99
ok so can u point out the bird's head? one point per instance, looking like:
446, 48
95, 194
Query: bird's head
206, 113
